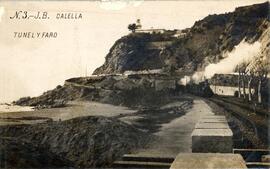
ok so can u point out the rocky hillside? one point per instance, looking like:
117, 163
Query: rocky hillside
132, 53
81, 142
204, 43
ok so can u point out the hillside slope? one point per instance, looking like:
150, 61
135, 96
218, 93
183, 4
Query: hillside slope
204, 43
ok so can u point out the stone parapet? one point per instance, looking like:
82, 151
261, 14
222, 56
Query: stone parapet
212, 134
208, 161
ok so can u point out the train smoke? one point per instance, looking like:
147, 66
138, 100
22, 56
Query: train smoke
243, 52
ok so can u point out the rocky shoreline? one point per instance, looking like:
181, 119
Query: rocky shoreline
80, 142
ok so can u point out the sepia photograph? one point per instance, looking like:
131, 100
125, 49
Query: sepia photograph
127, 84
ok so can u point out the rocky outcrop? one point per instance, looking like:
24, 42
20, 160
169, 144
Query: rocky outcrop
16, 153
57, 97
133, 90
132, 53
84, 142
204, 43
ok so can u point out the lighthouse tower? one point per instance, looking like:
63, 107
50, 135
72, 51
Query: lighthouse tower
138, 24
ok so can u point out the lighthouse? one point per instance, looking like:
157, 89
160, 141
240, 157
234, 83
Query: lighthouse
138, 24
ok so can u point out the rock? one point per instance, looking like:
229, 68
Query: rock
16, 153
22, 101
59, 103
126, 84
86, 141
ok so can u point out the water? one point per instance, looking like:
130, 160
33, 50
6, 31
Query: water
5, 108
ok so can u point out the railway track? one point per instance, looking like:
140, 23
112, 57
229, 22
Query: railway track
258, 123
258, 110
255, 122
255, 158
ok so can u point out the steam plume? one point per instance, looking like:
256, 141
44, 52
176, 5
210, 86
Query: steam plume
243, 52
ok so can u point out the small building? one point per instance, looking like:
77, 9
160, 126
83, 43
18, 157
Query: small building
151, 31
179, 34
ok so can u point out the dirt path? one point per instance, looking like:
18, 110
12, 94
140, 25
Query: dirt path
175, 136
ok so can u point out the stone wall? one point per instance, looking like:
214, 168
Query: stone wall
212, 134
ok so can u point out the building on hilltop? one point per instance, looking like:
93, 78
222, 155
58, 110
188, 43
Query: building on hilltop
151, 31
174, 33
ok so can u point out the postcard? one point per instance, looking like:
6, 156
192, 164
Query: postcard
134, 84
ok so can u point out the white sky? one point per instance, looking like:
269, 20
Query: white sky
31, 66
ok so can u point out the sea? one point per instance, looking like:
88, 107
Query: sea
6, 108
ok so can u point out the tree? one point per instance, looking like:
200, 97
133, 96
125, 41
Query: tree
170, 62
258, 70
239, 81
132, 27
262, 68
250, 80
242, 76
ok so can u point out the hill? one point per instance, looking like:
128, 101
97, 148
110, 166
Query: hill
203, 43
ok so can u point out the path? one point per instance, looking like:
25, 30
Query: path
175, 136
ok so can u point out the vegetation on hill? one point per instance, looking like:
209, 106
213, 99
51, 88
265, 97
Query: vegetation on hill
204, 43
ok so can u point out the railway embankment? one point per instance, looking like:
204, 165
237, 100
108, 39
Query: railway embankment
251, 127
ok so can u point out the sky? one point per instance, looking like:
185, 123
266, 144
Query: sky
31, 66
